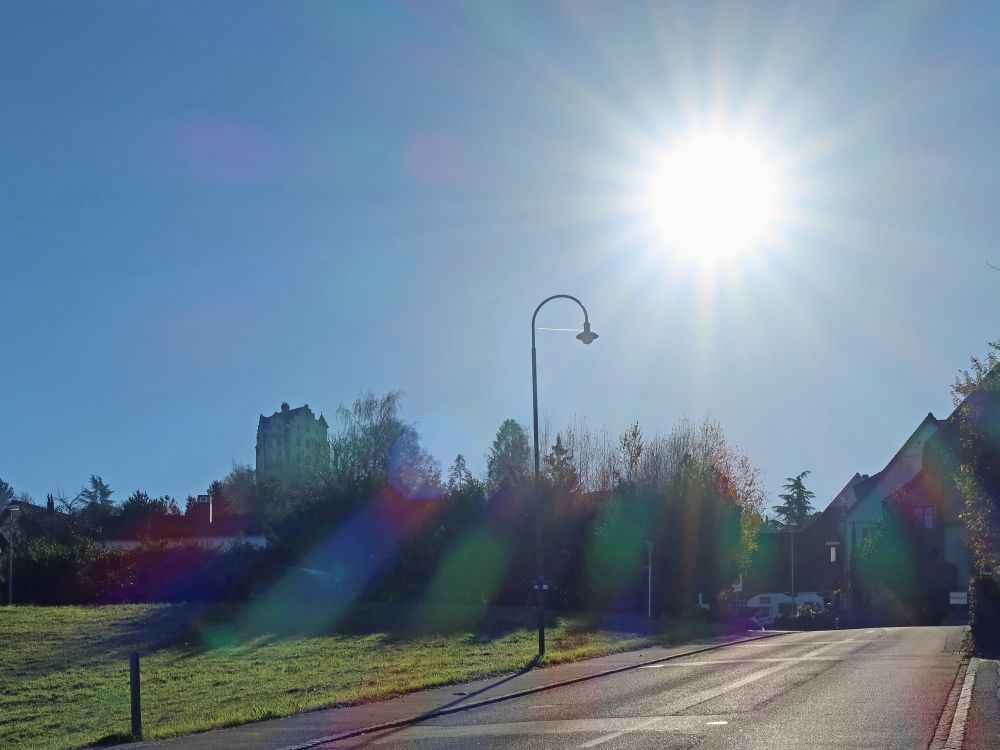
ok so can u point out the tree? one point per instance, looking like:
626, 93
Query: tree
737, 478
66, 504
459, 476
973, 432
140, 503
412, 470
967, 382
464, 490
240, 485
508, 460
797, 505
560, 472
6, 493
370, 429
95, 492
630, 448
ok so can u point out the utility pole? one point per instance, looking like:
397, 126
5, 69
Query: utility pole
791, 545
10, 560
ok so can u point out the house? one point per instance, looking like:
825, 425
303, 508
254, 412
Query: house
823, 547
817, 552
193, 528
919, 485
21, 514
871, 493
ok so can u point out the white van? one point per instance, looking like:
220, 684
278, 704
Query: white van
764, 609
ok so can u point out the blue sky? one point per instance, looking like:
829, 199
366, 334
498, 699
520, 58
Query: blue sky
210, 208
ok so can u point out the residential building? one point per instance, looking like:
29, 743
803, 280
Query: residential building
870, 494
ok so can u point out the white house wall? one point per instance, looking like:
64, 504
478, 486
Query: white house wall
903, 467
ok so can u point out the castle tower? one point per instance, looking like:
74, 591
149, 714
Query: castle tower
292, 445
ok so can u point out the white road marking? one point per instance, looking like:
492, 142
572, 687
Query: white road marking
715, 723
957, 732
705, 695
666, 724
742, 661
849, 640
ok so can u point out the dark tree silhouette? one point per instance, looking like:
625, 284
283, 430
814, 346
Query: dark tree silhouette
509, 457
560, 472
797, 503
6, 493
96, 492
459, 476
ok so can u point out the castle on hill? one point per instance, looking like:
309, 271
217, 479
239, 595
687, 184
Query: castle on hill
293, 445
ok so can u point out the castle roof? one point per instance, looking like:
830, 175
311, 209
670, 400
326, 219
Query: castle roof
287, 414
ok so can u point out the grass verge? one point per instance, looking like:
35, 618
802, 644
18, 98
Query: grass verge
64, 670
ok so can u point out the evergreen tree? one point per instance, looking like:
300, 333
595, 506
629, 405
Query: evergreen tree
509, 455
459, 476
560, 472
6, 493
96, 492
797, 505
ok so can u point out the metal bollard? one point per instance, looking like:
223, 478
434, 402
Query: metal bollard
133, 678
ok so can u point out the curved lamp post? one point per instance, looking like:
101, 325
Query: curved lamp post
587, 337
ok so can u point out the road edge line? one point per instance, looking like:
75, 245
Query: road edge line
957, 732
947, 715
516, 694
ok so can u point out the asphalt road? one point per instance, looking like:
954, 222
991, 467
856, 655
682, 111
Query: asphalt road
881, 688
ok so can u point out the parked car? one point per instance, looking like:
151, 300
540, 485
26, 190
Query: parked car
764, 609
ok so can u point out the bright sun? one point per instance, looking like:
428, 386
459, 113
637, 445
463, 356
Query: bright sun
713, 197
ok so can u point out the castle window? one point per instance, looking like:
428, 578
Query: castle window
924, 516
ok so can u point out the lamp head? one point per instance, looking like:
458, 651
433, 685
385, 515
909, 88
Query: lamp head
586, 335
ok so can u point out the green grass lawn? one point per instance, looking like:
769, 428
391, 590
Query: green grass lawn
64, 670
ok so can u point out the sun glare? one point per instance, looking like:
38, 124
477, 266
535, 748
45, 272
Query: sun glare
713, 197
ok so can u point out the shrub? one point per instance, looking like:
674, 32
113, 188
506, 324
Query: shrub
984, 614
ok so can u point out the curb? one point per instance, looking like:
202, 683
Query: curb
516, 694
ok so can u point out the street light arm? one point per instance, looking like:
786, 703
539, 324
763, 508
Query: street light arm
586, 318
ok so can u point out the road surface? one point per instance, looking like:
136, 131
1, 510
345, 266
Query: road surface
879, 688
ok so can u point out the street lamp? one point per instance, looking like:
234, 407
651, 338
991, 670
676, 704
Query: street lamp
791, 543
10, 563
587, 337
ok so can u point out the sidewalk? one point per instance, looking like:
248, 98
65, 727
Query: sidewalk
310, 729
982, 729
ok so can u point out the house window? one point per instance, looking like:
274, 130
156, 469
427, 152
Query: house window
833, 554
925, 516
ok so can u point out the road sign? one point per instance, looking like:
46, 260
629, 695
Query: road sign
958, 597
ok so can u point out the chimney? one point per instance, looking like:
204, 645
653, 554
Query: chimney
50, 504
284, 406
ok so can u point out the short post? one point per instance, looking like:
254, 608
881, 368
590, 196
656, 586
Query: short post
133, 675
649, 579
